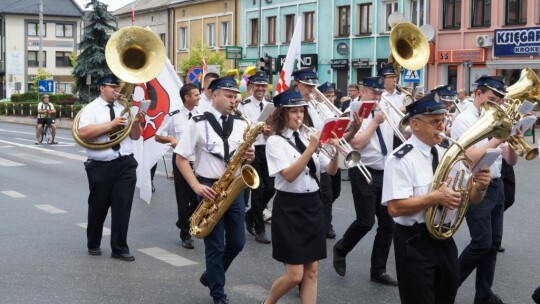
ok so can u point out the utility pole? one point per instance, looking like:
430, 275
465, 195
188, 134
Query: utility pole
40, 30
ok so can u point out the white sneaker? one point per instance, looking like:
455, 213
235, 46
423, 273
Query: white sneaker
267, 215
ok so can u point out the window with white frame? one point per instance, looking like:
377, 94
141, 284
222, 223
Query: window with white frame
211, 35
183, 38
389, 7
416, 8
64, 30
365, 23
225, 37
308, 26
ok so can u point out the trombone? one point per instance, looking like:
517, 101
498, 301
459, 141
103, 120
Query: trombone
397, 130
314, 101
352, 157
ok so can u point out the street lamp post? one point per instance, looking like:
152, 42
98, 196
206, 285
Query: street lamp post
468, 64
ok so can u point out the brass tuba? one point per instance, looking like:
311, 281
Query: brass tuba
227, 188
135, 55
494, 121
409, 47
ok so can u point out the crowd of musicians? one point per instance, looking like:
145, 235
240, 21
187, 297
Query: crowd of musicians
391, 185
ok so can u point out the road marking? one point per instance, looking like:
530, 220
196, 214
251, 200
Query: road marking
167, 257
45, 161
8, 163
50, 209
106, 231
14, 194
52, 152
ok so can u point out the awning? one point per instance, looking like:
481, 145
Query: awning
513, 64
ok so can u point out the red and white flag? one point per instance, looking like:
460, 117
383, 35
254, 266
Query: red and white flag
163, 93
132, 13
294, 53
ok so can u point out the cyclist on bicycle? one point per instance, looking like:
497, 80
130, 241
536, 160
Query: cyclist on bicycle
46, 115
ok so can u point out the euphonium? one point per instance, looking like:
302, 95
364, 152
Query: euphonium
135, 55
493, 121
227, 188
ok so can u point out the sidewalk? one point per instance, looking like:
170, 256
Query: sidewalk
64, 123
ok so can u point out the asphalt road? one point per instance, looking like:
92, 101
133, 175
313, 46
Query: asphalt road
43, 257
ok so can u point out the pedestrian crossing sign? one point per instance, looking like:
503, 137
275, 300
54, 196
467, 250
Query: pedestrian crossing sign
411, 76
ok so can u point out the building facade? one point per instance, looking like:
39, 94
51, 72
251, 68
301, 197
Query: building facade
20, 38
473, 38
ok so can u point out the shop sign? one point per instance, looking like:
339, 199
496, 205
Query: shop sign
458, 56
339, 64
517, 42
360, 63
308, 61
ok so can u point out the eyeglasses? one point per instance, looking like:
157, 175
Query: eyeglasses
434, 123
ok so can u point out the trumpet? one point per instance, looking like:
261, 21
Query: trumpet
351, 156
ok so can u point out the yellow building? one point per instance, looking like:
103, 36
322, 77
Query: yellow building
212, 22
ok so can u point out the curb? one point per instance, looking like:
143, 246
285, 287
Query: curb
64, 123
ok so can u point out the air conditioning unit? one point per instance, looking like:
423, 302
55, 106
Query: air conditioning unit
483, 41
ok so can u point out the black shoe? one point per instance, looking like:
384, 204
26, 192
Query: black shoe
188, 243
204, 280
330, 234
340, 265
54, 143
250, 225
94, 251
500, 249
536, 296
262, 238
222, 301
126, 257
494, 299
384, 279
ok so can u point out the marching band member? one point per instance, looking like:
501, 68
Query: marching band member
485, 220
391, 94
373, 141
462, 101
111, 172
206, 97
306, 81
252, 108
427, 268
171, 130
298, 235
447, 96
212, 138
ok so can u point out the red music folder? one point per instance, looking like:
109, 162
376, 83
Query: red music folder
366, 108
336, 125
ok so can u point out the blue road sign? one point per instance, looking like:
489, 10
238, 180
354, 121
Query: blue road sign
45, 86
411, 76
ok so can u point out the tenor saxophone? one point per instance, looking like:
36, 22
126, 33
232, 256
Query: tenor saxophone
227, 188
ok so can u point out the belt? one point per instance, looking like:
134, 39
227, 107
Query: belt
206, 180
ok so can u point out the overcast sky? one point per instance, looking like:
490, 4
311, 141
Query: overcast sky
113, 4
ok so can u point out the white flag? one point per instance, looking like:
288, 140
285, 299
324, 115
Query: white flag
294, 53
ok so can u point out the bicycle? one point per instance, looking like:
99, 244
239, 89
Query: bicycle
46, 129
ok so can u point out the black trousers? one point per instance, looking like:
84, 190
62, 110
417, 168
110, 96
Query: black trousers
509, 179
367, 204
427, 269
327, 195
186, 201
264, 193
112, 184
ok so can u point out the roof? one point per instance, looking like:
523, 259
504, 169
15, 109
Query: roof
142, 5
66, 8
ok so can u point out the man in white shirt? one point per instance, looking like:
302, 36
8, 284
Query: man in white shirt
171, 130
252, 108
206, 97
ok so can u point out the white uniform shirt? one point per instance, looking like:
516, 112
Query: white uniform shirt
371, 154
463, 105
201, 140
408, 176
44, 106
320, 115
396, 99
95, 113
280, 154
252, 110
176, 124
462, 123
204, 103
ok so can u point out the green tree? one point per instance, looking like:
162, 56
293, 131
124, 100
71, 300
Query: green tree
91, 60
41, 75
196, 53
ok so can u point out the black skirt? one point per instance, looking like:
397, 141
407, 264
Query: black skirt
298, 234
